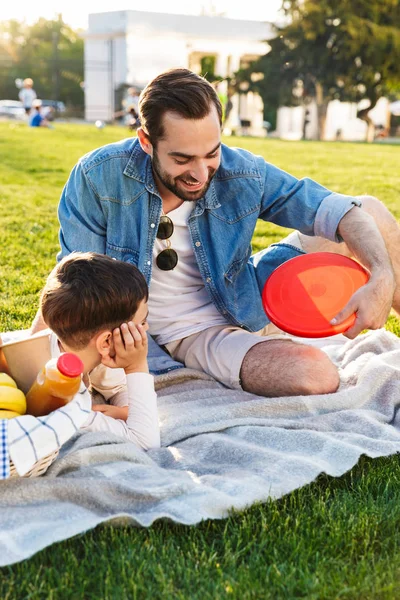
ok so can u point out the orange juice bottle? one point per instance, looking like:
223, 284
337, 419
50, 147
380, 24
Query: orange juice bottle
55, 385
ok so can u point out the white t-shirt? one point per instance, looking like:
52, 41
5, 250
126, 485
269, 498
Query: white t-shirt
179, 304
27, 96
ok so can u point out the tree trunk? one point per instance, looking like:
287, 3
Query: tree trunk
322, 109
306, 121
364, 116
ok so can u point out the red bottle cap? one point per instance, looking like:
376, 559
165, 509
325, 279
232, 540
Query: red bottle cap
303, 294
70, 364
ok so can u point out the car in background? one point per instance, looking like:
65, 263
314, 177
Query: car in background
12, 109
58, 105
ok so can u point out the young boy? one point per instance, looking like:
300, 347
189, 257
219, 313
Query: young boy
96, 307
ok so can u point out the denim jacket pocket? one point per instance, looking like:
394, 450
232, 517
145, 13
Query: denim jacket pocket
125, 254
232, 214
236, 267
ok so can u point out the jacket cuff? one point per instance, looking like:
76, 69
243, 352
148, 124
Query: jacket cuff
331, 210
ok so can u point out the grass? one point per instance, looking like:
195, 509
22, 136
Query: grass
336, 538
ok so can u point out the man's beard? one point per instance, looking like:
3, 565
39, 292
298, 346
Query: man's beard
169, 182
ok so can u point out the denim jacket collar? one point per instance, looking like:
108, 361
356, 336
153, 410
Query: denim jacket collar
139, 168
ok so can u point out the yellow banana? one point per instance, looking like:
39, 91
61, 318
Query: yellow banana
7, 380
12, 399
8, 414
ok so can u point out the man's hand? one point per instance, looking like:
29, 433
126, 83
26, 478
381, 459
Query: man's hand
371, 303
116, 412
130, 349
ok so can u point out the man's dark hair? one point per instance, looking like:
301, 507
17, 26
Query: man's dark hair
180, 91
88, 292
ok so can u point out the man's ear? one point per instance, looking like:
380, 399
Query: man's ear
105, 344
144, 142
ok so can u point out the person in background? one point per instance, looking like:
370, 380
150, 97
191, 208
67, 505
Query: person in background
129, 114
27, 94
132, 100
36, 119
131, 106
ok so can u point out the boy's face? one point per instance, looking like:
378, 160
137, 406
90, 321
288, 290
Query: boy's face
140, 317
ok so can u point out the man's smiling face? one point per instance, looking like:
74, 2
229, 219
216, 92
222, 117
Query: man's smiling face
187, 157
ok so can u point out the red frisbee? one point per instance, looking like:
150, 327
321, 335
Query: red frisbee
303, 294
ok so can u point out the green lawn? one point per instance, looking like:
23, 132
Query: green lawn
336, 538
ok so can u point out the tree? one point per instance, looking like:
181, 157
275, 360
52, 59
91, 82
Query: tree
11, 35
49, 52
333, 49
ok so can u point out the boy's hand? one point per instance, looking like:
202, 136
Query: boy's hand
116, 412
130, 349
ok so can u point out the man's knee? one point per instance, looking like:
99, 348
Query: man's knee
368, 199
373, 206
283, 368
319, 374
383, 218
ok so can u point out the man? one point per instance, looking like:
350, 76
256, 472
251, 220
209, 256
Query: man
183, 208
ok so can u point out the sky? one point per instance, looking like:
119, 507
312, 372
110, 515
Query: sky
258, 10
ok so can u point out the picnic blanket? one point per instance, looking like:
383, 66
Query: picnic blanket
221, 449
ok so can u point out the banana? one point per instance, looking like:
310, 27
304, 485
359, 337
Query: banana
8, 414
7, 380
12, 399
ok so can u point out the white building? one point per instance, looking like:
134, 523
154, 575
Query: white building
132, 47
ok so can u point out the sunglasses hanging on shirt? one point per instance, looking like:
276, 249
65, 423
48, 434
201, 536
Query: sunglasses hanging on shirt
168, 258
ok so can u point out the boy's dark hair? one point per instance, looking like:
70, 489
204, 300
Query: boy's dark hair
177, 90
88, 292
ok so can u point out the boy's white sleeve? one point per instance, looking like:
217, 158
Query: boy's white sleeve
142, 426
143, 412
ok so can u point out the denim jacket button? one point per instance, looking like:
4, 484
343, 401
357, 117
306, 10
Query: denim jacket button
208, 279
152, 225
149, 262
198, 244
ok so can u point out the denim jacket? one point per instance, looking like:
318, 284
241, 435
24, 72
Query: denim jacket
110, 204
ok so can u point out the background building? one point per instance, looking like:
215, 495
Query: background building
128, 48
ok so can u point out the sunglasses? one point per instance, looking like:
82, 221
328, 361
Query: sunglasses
168, 258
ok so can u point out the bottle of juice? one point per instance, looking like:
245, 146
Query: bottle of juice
55, 385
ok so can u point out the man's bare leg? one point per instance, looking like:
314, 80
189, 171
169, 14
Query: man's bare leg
37, 324
284, 368
390, 232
